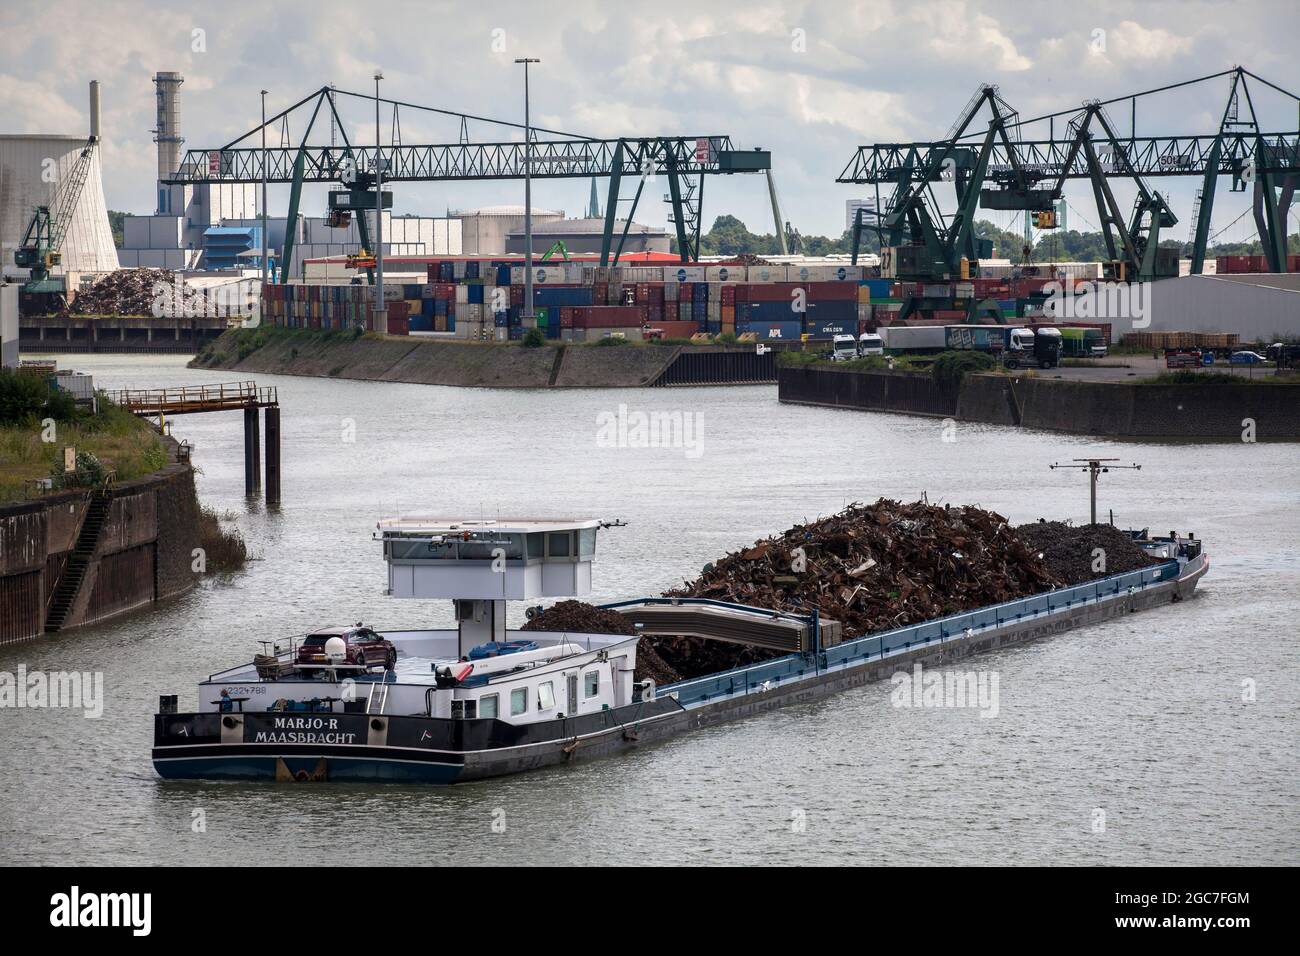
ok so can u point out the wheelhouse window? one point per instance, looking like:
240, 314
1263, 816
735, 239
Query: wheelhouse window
586, 542
488, 705
518, 701
558, 544
591, 683
464, 709
536, 544
545, 696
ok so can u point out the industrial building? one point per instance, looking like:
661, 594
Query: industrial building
484, 232
584, 236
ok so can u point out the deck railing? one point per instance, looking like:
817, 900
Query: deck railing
900, 640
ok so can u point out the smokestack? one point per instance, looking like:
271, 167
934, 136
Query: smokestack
94, 111
167, 133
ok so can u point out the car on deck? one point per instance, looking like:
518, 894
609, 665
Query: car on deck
364, 646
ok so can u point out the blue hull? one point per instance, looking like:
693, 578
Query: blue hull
333, 769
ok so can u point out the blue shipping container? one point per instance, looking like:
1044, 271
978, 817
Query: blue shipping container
788, 330
768, 312
421, 323
833, 311
476, 295
471, 271
558, 296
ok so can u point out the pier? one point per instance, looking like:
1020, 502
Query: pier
246, 396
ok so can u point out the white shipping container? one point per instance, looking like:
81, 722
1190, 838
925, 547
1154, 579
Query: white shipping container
684, 274
761, 274
725, 274
462, 294
824, 273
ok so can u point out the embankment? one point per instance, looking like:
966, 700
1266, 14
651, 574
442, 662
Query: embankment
382, 358
1113, 409
136, 549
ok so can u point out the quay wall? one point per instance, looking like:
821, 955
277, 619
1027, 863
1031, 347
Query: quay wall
382, 358
1112, 409
143, 554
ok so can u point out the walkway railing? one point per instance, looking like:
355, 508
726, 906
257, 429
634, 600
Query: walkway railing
194, 398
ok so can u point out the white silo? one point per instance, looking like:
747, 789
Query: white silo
31, 169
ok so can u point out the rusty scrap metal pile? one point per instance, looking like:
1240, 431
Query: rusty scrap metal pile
872, 568
123, 292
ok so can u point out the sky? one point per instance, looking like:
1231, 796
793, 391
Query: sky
809, 81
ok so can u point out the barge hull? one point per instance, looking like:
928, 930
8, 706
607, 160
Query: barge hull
626, 728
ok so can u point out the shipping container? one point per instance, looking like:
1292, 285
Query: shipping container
788, 330
724, 273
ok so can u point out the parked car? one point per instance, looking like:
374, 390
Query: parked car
364, 646
1247, 358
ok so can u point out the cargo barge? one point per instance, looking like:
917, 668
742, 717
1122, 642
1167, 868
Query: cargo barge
481, 700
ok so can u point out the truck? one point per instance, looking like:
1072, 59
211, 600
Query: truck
1013, 345
914, 339
1082, 343
844, 347
870, 343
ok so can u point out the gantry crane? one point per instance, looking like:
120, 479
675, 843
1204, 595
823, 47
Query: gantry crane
683, 160
1030, 174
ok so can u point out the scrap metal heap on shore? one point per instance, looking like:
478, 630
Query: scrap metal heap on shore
124, 292
872, 568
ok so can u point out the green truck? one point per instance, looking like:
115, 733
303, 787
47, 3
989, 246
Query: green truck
1082, 343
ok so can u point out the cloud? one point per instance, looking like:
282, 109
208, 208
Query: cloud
871, 71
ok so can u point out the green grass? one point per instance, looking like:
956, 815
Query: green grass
117, 439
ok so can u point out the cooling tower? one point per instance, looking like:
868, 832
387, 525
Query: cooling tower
31, 167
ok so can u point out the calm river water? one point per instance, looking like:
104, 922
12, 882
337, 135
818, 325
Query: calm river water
1146, 720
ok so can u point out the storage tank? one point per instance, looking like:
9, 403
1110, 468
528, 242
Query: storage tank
31, 167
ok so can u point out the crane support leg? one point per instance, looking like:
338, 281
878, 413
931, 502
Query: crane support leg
611, 204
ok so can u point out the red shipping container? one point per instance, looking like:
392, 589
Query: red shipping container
516, 295
774, 292
728, 295
566, 317
444, 290
671, 311
685, 291
677, 330
608, 316
433, 271
831, 292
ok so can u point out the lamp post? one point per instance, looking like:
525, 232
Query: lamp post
528, 198
264, 239
381, 305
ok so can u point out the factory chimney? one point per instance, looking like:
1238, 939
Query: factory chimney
94, 111
167, 134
